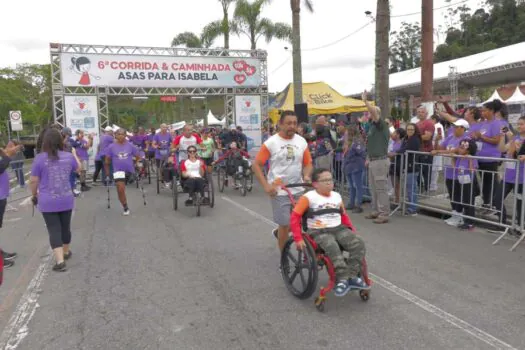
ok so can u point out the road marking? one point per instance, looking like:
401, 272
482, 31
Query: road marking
459, 323
17, 327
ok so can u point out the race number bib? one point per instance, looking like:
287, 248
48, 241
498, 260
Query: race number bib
464, 179
163, 152
119, 175
510, 165
480, 145
447, 161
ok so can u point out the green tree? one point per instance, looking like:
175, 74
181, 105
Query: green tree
248, 21
405, 51
295, 6
26, 88
190, 40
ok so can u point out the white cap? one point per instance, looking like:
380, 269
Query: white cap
462, 122
232, 127
332, 121
108, 128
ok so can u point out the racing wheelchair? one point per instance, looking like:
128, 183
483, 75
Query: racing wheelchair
309, 262
239, 176
178, 187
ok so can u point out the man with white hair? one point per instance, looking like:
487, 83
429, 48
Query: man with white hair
378, 163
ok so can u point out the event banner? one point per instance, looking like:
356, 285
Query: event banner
158, 71
248, 116
82, 113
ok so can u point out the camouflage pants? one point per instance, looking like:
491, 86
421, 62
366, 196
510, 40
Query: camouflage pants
331, 240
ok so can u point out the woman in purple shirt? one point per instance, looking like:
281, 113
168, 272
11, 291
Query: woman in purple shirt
5, 159
52, 192
120, 155
82, 146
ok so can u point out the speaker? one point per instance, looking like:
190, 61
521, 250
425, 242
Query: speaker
301, 111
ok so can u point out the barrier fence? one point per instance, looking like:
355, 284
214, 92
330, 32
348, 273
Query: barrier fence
486, 190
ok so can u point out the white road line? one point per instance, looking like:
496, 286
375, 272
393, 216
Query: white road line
459, 323
17, 327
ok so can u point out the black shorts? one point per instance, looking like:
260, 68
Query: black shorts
3, 204
207, 161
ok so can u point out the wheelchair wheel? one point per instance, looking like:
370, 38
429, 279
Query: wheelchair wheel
250, 183
221, 177
197, 199
175, 191
148, 169
303, 267
211, 192
244, 186
137, 177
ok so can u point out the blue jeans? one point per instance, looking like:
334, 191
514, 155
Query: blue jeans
411, 192
366, 187
355, 183
18, 168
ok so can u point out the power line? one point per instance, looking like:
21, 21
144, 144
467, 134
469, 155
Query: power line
435, 9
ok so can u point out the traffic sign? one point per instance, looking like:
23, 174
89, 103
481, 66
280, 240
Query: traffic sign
15, 117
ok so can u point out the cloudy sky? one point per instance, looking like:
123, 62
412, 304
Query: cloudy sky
28, 26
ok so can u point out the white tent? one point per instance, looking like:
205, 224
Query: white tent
517, 98
214, 121
495, 95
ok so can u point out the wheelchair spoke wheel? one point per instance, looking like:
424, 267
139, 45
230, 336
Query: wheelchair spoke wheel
211, 192
197, 198
149, 174
244, 185
299, 270
250, 183
158, 180
221, 177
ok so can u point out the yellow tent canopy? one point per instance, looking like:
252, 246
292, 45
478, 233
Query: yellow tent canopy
321, 99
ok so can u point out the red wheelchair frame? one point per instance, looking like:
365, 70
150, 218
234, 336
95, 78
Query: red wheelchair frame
322, 259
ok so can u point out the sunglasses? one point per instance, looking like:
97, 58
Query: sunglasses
192, 151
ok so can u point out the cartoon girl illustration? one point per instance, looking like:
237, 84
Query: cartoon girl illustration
81, 65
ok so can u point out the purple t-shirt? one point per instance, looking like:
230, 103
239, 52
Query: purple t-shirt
4, 184
489, 129
464, 168
82, 152
163, 141
510, 167
105, 141
139, 140
54, 188
122, 156
396, 146
449, 143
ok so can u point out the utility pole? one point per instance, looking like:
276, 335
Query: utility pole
382, 54
427, 50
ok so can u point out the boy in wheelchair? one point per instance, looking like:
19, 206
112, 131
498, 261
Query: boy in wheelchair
331, 228
237, 163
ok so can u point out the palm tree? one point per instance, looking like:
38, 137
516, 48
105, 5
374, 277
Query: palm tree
210, 32
296, 43
248, 21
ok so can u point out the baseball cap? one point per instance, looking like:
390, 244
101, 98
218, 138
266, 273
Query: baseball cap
66, 131
462, 122
233, 127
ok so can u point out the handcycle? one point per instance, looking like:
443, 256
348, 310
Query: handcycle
165, 154
240, 177
197, 200
142, 171
312, 259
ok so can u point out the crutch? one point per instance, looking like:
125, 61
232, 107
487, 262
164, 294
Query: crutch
139, 179
107, 186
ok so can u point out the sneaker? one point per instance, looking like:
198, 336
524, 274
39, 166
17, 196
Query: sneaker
414, 213
341, 288
68, 255
84, 188
205, 200
358, 283
466, 227
76, 192
275, 233
188, 202
357, 210
9, 256
167, 185
372, 216
60, 267
454, 221
8, 264
381, 220
350, 206
126, 212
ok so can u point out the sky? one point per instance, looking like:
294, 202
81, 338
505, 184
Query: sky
346, 65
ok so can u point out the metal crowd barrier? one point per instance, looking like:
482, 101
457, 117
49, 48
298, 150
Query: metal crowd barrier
497, 212
18, 182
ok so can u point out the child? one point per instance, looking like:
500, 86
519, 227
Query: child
329, 230
236, 161
464, 182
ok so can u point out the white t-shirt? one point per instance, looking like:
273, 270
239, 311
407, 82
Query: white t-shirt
185, 142
318, 202
286, 160
192, 168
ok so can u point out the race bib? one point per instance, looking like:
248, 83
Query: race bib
510, 165
480, 145
119, 175
163, 152
447, 161
464, 179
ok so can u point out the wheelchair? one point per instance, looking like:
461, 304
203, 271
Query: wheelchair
309, 262
244, 180
197, 200
161, 165
142, 171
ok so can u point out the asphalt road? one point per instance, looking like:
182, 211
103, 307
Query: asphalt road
160, 279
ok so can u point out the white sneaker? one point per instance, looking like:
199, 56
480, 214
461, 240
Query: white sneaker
126, 212
167, 185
